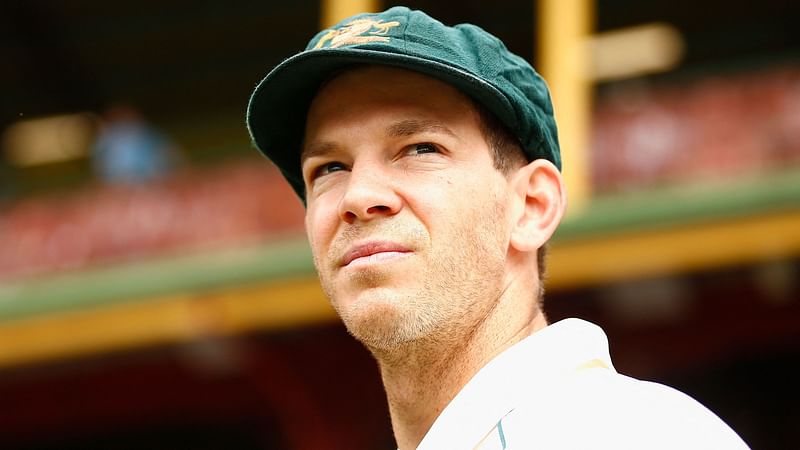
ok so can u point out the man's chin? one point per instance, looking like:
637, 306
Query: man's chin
380, 324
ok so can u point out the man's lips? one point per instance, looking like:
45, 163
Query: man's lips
375, 250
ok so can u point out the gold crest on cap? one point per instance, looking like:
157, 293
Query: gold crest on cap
358, 31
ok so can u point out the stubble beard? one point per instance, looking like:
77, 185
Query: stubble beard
460, 284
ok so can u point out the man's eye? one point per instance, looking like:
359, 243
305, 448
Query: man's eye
328, 168
425, 147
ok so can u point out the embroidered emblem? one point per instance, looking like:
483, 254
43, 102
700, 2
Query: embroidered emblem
359, 31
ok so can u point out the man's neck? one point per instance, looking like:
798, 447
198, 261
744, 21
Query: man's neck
423, 377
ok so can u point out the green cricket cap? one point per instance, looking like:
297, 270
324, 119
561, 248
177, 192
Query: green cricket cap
465, 56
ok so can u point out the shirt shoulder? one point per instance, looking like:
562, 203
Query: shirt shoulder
599, 408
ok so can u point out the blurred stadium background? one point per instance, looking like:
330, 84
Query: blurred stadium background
156, 290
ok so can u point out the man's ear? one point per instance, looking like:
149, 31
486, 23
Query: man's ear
541, 199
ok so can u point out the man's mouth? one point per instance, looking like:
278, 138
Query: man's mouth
373, 252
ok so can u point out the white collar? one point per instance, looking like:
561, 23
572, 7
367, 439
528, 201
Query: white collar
497, 387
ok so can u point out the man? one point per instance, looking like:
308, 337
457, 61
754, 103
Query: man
428, 160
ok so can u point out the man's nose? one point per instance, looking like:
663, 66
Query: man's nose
370, 193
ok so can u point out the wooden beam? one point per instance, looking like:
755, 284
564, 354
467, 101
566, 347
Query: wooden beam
563, 27
165, 320
334, 11
677, 249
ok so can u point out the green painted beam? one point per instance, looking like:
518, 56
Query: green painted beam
154, 277
684, 205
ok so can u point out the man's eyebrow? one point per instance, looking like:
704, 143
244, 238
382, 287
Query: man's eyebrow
402, 128
413, 126
316, 149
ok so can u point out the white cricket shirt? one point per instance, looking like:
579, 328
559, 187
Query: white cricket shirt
557, 389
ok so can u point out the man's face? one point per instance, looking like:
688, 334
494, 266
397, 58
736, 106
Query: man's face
406, 214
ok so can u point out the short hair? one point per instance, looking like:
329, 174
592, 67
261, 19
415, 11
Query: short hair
507, 154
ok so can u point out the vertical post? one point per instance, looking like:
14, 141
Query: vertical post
562, 30
333, 11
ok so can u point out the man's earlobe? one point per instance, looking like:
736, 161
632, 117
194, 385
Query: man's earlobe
541, 201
